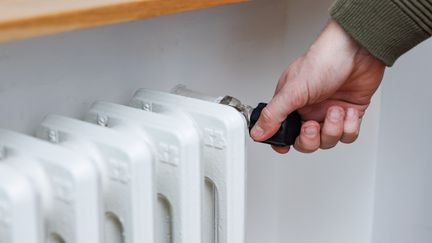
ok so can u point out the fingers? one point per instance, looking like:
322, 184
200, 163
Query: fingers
351, 126
339, 125
283, 103
281, 150
309, 139
333, 127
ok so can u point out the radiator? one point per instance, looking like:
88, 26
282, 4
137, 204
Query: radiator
164, 168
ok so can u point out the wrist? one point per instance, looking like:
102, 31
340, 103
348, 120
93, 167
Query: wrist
346, 43
334, 41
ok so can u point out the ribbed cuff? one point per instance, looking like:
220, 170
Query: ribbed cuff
380, 26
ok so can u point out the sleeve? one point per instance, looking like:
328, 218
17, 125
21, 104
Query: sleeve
386, 28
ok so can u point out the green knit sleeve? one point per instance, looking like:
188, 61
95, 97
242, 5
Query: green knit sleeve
386, 28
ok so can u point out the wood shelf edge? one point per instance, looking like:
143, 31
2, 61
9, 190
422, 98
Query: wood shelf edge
81, 17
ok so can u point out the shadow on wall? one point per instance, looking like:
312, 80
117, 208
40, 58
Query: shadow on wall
64, 73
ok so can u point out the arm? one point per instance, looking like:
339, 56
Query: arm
332, 84
386, 28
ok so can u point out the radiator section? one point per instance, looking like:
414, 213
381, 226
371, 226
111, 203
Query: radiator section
163, 169
66, 184
178, 166
18, 206
125, 165
222, 131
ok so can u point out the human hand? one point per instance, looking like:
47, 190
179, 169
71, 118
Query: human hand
331, 87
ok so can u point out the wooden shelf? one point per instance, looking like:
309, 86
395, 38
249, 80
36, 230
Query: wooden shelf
21, 19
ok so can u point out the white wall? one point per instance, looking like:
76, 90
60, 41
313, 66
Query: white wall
328, 196
403, 211
241, 50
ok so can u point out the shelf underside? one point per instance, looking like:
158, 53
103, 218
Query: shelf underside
22, 19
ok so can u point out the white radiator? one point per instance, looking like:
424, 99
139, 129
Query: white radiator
165, 169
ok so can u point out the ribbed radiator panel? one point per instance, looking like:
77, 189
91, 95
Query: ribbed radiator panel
178, 164
126, 167
66, 186
223, 143
165, 169
18, 206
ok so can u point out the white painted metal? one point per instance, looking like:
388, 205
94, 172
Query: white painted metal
67, 190
223, 138
126, 168
18, 206
175, 140
325, 197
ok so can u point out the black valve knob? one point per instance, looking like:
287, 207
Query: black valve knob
287, 133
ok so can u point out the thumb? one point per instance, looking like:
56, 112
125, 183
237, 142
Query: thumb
290, 98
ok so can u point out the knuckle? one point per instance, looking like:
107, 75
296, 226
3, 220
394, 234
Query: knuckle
331, 134
298, 97
266, 115
292, 96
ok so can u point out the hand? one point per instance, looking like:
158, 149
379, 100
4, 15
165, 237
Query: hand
331, 86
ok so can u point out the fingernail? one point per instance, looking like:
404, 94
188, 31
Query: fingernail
351, 114
335, 115
311, 131
257, 131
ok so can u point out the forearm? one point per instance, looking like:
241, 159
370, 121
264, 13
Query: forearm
386, 28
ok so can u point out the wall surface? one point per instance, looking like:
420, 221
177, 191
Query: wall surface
403, 207
326, 197
241, 50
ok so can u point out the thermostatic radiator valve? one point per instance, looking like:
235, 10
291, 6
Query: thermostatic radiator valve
285, 136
